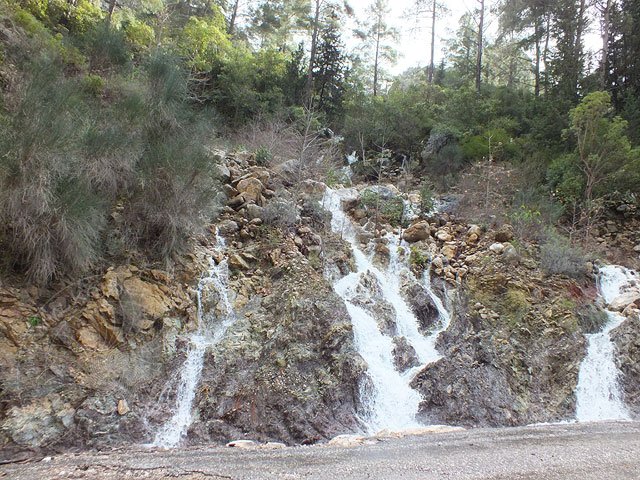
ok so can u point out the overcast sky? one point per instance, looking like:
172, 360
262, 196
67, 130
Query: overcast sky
415, 43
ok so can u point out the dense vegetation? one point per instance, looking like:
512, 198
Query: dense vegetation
108, 112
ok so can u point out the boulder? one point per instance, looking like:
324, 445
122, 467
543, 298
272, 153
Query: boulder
228, 227
504, 233
243, 444
497, 248
251, 190
449, 250
443, 236
416, 232
621, 302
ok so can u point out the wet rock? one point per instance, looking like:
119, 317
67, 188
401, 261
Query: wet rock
416, 232
236, 262
368, 296
624, 300
404, 355
423, 308
627, 341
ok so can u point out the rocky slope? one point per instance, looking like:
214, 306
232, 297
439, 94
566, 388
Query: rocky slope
95, 364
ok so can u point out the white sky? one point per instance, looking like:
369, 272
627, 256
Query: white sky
414, 44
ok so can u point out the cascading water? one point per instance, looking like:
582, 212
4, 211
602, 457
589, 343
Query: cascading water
598, 392
212, 325
389, 402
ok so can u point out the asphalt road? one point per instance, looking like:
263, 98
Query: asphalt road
585, 451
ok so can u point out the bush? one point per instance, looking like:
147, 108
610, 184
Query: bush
559, 257
427, 201
280, 213
263, 156
50, 217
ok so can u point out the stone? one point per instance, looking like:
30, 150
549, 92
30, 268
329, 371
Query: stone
274, 446
147, 296
346, 441
416, 232
443, 236
313, 187
449, 250
123, 407
504, 233
236, 202
236, 262
223, 172
474, 230
510, 254
472, 238
623, 301
637, 248
404, 355
254, 212
437, 263
243, 444
251, 190
497, 248
228, 227
109, 285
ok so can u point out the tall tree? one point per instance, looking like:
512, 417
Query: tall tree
378, 39
429, 11
479, 42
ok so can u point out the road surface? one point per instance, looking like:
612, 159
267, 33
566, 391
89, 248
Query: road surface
579, 451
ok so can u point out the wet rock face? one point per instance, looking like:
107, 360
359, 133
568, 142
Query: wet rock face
368, 296
491, 376
287, 370
423, 308
627, 340
404, 355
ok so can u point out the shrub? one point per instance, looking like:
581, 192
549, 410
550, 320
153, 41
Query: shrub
263, 156
558, 256
591, 318
427, 201
280, 213
50, 217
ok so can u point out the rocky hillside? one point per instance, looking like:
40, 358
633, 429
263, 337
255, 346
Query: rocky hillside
94, 364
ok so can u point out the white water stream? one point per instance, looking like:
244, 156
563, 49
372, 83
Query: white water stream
389, 402
598, 392
212, 325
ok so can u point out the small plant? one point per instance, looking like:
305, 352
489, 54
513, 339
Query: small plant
34, 321
263, 156
280, 213
426, 198
417, 258
558, 256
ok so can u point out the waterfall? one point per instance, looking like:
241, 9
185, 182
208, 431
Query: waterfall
388, 400
598, 393
212, 325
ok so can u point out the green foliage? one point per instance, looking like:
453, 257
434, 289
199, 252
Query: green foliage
263, 156
34, 321
559, 257
203, 40
427, 200
389, 210
417, 258
93, 85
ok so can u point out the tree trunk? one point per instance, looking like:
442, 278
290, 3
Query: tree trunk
606, 31
232, 21
433, 41
479, 42
578, 45
537, 53
375, 63
545, 54
312, 54
112, 7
